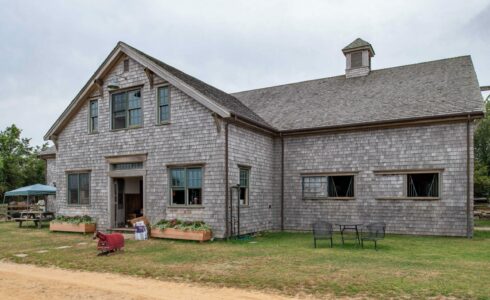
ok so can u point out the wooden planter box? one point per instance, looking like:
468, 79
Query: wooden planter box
68, 227
171, 233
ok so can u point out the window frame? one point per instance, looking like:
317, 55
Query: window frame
126, 109
68, 196
404, 174
439, 186
158, 106
247, 188
327, 178
185, 187
91, 117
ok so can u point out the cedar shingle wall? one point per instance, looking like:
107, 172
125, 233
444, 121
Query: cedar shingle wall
440, 146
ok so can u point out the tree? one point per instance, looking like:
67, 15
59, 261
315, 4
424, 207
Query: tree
482, 155
19, 164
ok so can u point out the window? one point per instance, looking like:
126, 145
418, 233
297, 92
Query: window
79, 188
356, 59
334, 186
186, 186
127, 166
126, 109
423, 185
126, 65
244, 185
94, 116
163, 104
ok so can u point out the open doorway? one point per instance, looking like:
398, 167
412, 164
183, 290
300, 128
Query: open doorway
127, 200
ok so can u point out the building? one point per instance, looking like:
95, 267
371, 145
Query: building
392, 145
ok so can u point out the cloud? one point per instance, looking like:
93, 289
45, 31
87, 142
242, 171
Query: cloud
49, 49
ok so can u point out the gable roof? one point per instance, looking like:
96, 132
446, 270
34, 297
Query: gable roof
430, 89
214, 99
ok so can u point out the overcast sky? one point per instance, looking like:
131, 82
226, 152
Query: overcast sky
49, 49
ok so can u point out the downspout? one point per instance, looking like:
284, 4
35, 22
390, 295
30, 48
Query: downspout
469, 231
282, 183
226, 181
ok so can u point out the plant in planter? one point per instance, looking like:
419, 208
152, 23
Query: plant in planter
182, 230
82, 224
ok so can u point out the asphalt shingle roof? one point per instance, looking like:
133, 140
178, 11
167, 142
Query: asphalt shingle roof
436, 88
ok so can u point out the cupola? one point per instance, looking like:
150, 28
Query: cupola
358, 58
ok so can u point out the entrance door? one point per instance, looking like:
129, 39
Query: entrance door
119, 205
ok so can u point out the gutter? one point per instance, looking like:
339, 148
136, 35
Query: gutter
282, 183
385, 124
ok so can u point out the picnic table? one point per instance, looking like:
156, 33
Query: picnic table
354, 227
34, 216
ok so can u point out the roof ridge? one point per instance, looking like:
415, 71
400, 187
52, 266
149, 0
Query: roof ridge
343, 75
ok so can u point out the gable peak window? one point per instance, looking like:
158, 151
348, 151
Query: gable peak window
126, 65
94, 116
163, 101
126, 109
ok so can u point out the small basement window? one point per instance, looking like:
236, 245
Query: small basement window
423, 185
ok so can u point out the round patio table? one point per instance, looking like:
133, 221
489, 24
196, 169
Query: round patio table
354, 227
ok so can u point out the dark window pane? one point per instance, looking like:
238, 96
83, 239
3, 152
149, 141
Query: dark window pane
423, 185
118, 102
243, 196
341, 186
119, 120
314, 186
194, 178
164, 113
95, 124
178, 177
134, 100
84, 188
135, 117
195, 197
73, 188
244, 177
127, 166
356, 59
163, 96
178, 197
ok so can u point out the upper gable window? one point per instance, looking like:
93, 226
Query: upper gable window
126, 109
94, 116
126, 65
356, 59
163, 104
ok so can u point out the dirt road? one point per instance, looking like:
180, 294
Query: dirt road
30, 282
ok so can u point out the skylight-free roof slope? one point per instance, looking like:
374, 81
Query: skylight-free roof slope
430, 89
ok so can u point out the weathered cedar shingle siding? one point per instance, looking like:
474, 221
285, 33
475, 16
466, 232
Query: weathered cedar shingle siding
196, 135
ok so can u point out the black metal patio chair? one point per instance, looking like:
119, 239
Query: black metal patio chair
373, 232
323, 231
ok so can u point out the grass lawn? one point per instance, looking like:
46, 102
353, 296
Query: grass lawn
482, 223
404, 266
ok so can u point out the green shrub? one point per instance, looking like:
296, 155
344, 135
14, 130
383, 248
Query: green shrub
74, 220
182, 225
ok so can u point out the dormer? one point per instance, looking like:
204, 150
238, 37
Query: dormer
358, 58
